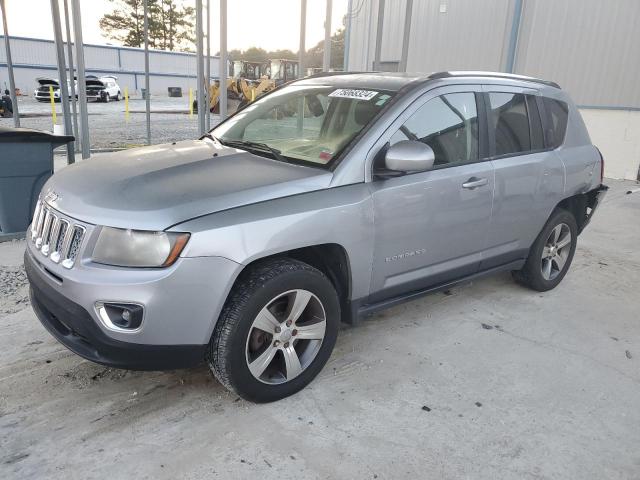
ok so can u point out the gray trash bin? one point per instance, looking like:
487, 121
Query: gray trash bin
26, 163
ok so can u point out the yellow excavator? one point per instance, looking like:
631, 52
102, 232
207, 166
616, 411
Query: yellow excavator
250, 80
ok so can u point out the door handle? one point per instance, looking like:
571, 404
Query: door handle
474, 182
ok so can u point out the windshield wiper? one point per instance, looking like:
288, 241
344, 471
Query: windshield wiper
256, 146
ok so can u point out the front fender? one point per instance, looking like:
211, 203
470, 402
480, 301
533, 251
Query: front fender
341, 215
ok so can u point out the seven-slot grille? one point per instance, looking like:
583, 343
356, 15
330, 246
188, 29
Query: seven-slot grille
56, 237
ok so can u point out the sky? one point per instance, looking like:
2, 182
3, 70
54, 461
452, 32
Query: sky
269, 24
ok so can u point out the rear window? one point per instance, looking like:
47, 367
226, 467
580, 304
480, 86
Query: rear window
557, 113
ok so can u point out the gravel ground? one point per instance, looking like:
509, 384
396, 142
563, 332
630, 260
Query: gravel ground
108, 128
486, 381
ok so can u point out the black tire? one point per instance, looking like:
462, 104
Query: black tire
531, 275
226, 355
118, 97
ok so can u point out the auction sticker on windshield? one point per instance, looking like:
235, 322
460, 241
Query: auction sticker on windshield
352, 93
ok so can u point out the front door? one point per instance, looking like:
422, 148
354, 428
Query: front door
431, 227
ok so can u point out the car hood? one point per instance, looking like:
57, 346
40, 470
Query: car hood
93, 82
45, 81
155, 187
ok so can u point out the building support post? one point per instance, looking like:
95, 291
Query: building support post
406, 37
12, 82
147, 92
303, 34
379, 30
207, 99
222, 97
513, 37
200, 68
347, 33
82, 85
326, 57
62, 76
72, 86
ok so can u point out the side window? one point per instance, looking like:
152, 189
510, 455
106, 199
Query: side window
557, 116
449, 125
509, 123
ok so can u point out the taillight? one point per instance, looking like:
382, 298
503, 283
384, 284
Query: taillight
601, 165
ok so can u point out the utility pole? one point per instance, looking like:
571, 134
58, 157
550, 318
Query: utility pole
62, 76
12, 82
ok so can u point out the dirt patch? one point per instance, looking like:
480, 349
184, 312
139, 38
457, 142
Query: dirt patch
14, 290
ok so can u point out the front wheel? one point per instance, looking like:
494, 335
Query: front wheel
276, 331
551, 254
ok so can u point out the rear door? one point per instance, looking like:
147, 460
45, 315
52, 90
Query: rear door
528, 177
431, 227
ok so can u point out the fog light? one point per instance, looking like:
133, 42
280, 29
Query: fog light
120, 316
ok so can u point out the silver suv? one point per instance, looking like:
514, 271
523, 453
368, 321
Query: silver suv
327, 199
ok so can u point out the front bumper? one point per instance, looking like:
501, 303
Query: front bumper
181, 306
72, 326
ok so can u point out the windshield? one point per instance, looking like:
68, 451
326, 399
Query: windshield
303, 124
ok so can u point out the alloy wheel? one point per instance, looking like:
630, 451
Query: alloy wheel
285, 336
556, 251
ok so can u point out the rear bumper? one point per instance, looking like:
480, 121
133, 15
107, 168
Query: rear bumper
594, 199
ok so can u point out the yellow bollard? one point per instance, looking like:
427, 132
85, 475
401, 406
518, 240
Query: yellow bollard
126, 104
53, 105
191, 102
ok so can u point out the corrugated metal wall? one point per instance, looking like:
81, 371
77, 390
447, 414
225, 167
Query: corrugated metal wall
36, 58
590, 47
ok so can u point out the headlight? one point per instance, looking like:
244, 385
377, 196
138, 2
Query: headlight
138, 248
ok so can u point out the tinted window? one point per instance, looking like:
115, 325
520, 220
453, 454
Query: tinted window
509, 122
537, 137
448, 124
557, 117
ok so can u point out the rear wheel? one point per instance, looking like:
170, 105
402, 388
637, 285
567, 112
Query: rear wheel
118, 97
551, 253
276, 331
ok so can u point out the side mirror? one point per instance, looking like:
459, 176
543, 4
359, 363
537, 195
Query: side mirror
409, 156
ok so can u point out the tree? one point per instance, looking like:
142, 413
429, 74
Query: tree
314, 56
171, 25
126, 23
255, 54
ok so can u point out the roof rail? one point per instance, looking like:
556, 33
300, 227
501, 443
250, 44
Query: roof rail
509, 76
332, 74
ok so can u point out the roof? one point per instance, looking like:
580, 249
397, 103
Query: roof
395, 81
378, 80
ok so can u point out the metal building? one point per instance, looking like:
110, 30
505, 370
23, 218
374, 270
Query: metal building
34, 58
590, 47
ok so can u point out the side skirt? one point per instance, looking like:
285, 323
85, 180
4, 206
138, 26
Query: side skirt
360, 308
